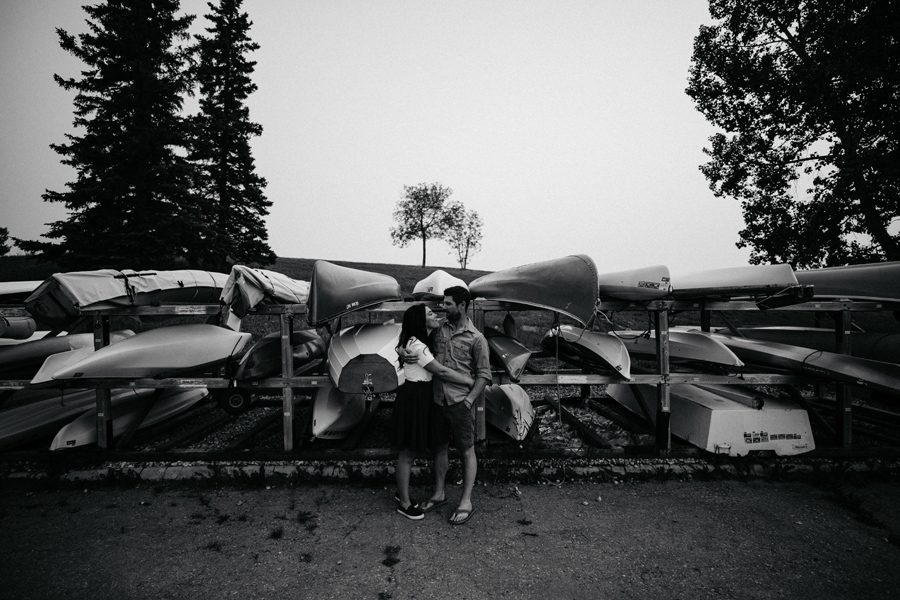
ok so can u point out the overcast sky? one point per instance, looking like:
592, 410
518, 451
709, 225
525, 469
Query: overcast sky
563, 123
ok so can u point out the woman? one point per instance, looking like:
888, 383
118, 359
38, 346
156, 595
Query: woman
414, 399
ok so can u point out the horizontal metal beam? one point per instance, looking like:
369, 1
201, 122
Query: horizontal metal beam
671, 378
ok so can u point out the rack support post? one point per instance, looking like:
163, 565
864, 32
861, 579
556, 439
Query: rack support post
104, 404
287, 371
663, 406
844, 425
480, 424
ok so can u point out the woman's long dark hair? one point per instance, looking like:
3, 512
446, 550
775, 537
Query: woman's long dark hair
414, 325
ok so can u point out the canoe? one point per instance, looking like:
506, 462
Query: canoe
872, 345
139, 410
753, 280
159, 352
507, 352
683, 345
716, 420
17, 328
23, 361
263, 359
43, 412
15, 292
590, 350
364, 358
508, 408
877, 282
433, 286
635, 285
565, 285
335, 291
60, 299
877, 375
336, 413
246, 287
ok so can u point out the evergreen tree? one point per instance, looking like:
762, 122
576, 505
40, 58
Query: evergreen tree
131, 203
4, 238
230, 189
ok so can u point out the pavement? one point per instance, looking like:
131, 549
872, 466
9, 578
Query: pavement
690, 539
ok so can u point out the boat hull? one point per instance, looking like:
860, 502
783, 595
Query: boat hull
753, 280
590, 350
683, 345
507, 352
876, 282
565, 285
335, 291
363, 358
263, 359
433, 286
635, 285
335, 413
24, 360
712, 419
508, 408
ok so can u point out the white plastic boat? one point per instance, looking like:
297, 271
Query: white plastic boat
636, 285
364, 358
508, 408
433, 286
715, 419
335, 413
590, 350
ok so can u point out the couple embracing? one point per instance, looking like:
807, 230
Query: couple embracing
446, 366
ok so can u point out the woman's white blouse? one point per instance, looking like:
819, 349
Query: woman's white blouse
416, 371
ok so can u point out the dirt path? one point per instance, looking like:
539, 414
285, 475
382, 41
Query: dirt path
723, 539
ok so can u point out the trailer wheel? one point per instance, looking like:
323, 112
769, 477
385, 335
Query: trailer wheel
235, 401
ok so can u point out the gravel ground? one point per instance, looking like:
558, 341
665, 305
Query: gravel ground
712, 539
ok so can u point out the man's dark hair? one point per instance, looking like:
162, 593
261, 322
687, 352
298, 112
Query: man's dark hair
459, 294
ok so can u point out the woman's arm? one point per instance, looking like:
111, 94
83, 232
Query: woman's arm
448, 374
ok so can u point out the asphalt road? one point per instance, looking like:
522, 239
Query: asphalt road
688, 539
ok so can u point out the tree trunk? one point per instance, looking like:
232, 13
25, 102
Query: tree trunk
423, 249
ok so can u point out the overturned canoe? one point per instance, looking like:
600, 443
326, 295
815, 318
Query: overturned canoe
433, 286
60, 299
335, 413
565, 285
23, 361
872, 345
137, 411
876, 282
635, 285
883, 376
263, 359
158, 353
753, 280
363, 358
683, 345
335, 291
508, 408
507, 352
717, 419
246, 287
45, 411
17, 328
590, 350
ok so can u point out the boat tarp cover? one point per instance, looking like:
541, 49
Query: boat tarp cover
246, 287
335, 290
60, 298
566, 285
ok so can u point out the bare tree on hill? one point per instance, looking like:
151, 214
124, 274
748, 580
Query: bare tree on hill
421, 214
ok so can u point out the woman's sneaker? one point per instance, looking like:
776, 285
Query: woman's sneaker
411, 512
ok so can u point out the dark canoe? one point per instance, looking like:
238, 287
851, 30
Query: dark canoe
335, 291
60, 299
883, 376
872, 345
565, 285
878, 282
507, 352
751, 280
263, 359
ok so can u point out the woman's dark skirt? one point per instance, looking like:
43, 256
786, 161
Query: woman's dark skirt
411, 410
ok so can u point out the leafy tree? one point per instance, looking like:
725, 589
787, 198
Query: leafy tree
464, 232
421, 214
808, 95
4, 238
231, 191
131, 202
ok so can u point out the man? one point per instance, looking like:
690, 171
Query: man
461, 347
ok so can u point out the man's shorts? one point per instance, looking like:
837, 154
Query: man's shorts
456, 421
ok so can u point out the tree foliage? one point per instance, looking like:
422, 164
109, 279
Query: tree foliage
808, 96
230, 190
464, 233
4, 239
421, 214
131, 202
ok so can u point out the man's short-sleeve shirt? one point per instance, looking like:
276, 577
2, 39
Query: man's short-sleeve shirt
464, 350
